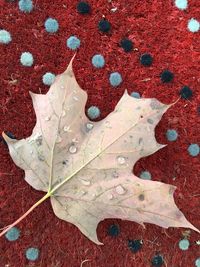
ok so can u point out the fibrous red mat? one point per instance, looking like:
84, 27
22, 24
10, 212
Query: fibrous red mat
156, 27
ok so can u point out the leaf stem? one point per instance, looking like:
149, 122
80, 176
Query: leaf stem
7, 228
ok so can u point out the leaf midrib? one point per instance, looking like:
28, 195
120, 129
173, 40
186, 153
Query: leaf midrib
99, 153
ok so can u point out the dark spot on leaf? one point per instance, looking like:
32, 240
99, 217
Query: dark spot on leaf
39, 141
150, 121
141, 197
135, 245
41, 157
140, 140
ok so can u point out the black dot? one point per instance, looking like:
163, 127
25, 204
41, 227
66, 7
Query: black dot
135, 245
166, 76
198, 110
83, 7
186, 92
146, 59
113, 230
104, 25
127, 45
157, 261
9, 134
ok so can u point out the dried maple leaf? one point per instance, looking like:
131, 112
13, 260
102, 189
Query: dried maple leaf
86, 167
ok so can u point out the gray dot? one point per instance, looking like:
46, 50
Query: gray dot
141, 197
150, 121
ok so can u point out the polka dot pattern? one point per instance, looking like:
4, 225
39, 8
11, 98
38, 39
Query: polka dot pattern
48, 78
32, 254
171, 135
13, 234
184, 244
135, 95
157, 261
197, 262
5, 37
166, 76
193, 25
51, 25
181, 4
98, 61
115, 79
93, 112
145, 175
73, 42
135, 245
113, 230
146, 59
193, 150
83, 8
186, 92
25, 6
26, 59
104, 25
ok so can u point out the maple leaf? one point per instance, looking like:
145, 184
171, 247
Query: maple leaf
86, 167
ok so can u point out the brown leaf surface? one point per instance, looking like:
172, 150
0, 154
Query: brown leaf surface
86, 167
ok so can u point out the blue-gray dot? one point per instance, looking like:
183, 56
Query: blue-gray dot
51, 25
25, 6
26, 59
115, 79
193, 150
48, 78
135, 94
193, 25
171, 135
5, 37
13, 234
32, 254
98, 61
73, 42
184, 244
197, 262
145, 175
93, 112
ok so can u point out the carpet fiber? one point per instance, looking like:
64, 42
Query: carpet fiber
169, 33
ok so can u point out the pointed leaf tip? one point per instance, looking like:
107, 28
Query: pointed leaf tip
7, 138
70, 67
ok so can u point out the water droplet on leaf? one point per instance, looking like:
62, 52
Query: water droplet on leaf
150, 121
115, 174
47, 118
72, 149
58, 139
89, 126
85, 182
121, 160
120, 190
66, 128
110, 196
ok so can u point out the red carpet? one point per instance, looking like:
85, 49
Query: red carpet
154, 26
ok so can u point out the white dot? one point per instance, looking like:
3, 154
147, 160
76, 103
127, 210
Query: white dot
193, 25
181, 4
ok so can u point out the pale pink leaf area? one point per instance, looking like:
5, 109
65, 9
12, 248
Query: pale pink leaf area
86, 167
